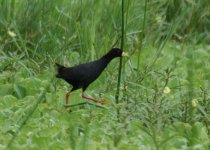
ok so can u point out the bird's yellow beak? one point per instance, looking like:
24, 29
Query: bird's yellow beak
124, 54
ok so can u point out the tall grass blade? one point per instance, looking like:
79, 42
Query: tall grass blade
142, 34
122, 46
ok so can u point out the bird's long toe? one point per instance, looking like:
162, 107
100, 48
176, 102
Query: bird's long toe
101, 101
66, 105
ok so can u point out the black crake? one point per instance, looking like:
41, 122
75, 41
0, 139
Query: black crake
81, 76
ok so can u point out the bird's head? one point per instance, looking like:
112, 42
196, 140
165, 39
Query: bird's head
117, 52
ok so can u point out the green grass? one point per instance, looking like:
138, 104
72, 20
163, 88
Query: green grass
168, 43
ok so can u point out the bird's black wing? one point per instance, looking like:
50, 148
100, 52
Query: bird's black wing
83, 74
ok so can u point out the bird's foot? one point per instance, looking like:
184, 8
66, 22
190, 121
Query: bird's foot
68, 108
101, 101
66, 105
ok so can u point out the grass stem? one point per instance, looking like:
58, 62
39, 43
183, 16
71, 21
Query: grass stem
122, 46
142, 34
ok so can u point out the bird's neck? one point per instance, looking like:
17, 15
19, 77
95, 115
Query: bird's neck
105, 60
108, 57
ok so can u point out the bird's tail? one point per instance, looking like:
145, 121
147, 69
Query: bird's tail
59, 70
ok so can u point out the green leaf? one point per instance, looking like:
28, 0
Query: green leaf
9, 100
199, 133
6, 89
20, 91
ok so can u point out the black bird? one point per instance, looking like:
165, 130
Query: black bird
81, 76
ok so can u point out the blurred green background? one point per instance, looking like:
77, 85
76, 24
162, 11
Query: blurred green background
164, 94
